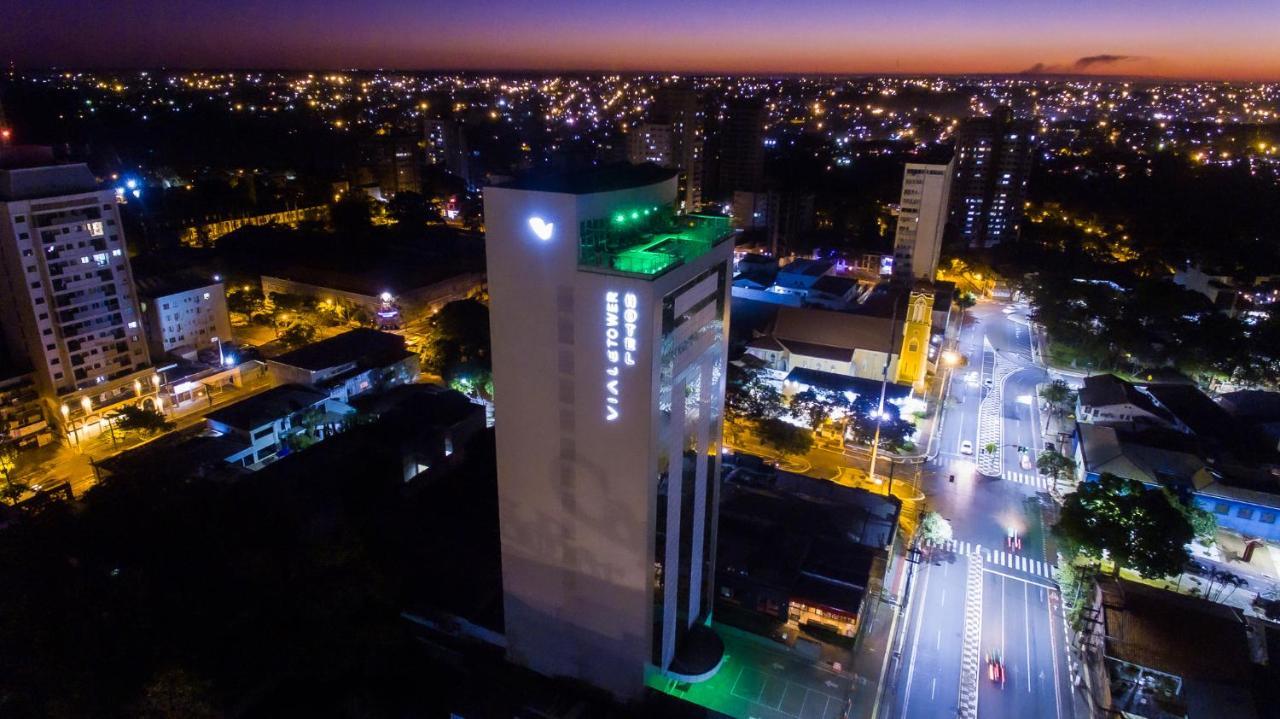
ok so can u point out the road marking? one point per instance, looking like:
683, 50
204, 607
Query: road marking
989, 570
1026, 630
915, 643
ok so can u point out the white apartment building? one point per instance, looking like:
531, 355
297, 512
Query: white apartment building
609, 319
184, 312
67, 297
922, 218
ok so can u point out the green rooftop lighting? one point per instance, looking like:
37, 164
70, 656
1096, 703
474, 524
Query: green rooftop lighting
635, 215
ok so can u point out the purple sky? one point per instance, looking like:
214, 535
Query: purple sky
1186, 38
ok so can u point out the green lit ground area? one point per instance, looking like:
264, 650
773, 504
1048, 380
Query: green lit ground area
649, 241
761, 681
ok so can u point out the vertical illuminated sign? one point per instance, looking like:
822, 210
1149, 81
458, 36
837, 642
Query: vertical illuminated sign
621, 322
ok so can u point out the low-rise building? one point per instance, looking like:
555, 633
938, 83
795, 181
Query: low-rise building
1243, 499
349, 364
184, 312
800, 555
371, 291
430, 425
270, 424
22, 417
1107, 399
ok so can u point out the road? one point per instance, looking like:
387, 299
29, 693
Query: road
72, 462
1004, 595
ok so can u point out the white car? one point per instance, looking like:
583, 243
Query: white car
966, 447
1008, 310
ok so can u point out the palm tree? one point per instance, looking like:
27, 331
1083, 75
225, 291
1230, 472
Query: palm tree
1060, 398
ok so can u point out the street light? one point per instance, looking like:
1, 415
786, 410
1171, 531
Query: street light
66, 420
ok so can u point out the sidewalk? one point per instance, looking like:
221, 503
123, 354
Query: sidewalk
876, 655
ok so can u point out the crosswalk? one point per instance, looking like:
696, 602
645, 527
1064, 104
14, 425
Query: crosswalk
1001, 558
963, 466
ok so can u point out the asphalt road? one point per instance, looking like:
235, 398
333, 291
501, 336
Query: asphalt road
1016, 602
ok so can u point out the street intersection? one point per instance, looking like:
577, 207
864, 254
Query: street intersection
990, 592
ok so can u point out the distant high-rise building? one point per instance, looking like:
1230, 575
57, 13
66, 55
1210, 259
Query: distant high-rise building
673, 137
393, 163
446, 145
783, 216
67, 301
992, 165
740, 149
609, 314
922, 217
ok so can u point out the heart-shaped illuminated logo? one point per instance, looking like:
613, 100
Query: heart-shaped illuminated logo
541, 228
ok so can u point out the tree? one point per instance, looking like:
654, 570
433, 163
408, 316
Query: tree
352, 216
1139, 527
13, 488
934, 528
748, 397
298, 334
965, 300
784, 437
411, 210
1203, 523
458, 341
1056, 465
245, 301
1059, 395
812, 408
140, 419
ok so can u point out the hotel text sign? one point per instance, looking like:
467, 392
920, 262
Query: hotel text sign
621, 317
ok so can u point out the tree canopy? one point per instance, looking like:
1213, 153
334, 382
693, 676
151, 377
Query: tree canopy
458, 342
784, 437
140, 419
1141, 528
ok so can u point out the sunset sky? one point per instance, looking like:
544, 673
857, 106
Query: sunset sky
1233, 39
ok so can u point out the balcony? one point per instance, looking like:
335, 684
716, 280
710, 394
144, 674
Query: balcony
648, 242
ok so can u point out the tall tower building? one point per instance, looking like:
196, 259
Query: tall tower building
922, 217
446, 145
992, 166
675, 138
67, 296
740, 162
609, 319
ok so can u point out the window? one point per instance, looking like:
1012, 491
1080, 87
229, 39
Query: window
1244, 513
1267, 518
1221, 508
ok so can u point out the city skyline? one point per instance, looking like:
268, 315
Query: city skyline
814, 37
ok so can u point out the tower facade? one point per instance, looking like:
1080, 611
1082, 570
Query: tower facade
609, 319
992, 167
913, 357
922, 218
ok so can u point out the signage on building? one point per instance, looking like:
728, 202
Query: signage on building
621, 324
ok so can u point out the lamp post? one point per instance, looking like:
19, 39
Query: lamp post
884, 386
66, 420
86, 404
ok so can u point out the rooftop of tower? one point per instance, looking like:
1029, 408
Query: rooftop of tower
606, 178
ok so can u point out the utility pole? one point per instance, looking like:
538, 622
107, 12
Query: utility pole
884, 386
